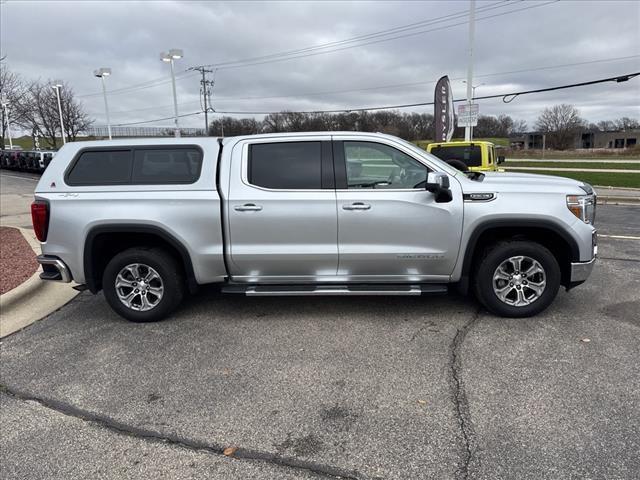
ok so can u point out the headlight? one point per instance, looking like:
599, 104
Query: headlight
583, 207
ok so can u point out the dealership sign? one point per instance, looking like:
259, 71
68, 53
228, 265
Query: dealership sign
468, 114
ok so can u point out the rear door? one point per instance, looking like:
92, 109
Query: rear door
281, 211
390, 228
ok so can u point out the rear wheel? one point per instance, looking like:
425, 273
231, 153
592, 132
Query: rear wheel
143, 285
517, 279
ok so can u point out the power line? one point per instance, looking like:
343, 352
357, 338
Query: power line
381, 87
311, 51
412, 84
157, 119
335, 43
378, 40
162, 80
507, 97
141, 86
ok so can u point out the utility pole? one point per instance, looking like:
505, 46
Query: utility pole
205, 90
472, 26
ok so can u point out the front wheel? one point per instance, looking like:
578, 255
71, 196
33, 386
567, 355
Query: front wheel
143, 285
517, 279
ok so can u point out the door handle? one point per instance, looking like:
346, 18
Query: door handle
357, 206
248, 207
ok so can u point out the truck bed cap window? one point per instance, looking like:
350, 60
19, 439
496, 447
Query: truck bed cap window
101, 167
136, 166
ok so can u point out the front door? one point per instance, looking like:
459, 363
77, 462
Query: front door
281, 211
389, 227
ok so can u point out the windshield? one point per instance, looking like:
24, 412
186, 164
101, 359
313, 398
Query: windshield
442, 166
471, 155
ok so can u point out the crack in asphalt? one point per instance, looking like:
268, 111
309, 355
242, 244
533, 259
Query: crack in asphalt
122, 428
460, 396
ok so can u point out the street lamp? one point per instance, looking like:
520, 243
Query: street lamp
169, 57
473, 89
101, 73
5, 107
57, 85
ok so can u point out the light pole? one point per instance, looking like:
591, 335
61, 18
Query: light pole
5, 107
57, 85
170, 56
101, 73
473, 96
472, 26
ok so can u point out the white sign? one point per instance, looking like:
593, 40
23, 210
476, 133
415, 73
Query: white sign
468, 114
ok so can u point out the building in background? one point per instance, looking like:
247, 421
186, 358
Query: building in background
582, 139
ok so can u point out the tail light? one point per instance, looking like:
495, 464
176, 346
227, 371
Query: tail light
40, 219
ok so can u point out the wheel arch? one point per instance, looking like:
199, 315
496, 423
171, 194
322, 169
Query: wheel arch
104, 241
546, 232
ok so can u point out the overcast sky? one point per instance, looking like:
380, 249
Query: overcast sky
68, 40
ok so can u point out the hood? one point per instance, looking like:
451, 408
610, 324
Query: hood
525, 182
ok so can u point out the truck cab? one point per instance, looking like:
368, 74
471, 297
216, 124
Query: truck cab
475, 156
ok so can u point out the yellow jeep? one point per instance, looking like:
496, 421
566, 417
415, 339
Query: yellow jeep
467, 156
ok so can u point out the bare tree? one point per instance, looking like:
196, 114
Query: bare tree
12, 91
560, 123
626, 123
519, 127
39, 112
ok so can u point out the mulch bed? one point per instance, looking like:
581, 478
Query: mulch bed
17, 259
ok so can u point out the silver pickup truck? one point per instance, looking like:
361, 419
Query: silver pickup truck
329, 213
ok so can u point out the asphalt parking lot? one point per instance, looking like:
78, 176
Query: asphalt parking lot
363, 388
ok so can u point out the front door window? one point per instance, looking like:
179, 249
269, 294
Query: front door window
374, 165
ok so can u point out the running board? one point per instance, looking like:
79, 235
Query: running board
321, 290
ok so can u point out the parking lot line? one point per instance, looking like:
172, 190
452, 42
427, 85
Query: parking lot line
622, 237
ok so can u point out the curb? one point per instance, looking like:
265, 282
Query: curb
617, 200
47, 297
630, 189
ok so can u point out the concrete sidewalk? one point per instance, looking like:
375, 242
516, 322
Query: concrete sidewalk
34, 299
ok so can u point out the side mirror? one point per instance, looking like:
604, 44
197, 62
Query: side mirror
437, 181
500, 159
438, 184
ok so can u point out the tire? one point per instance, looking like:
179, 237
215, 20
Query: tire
509, 294
162, 294
459, 165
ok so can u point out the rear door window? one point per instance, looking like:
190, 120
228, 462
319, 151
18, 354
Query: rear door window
286, 165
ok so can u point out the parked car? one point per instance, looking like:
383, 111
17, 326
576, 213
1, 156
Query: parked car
26, 160
45, 158
305, 214
476, 156
32, 161
12, 159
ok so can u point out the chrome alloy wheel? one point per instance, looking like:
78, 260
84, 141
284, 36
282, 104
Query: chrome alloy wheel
139, 287
519, 281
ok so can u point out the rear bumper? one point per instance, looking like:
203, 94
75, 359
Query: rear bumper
54, 269
580, 271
